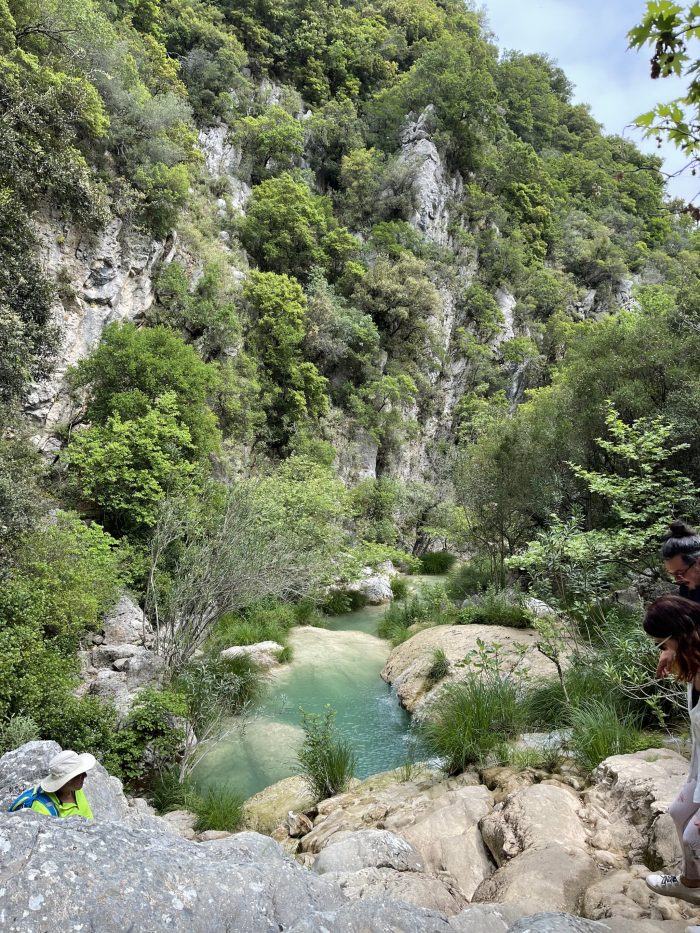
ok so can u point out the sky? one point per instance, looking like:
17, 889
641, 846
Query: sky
588, 39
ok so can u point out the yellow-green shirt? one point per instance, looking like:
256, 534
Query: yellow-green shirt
80, 808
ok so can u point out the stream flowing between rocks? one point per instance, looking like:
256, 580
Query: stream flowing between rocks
338, 665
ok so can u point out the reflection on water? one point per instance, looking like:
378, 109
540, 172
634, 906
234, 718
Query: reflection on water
339, 666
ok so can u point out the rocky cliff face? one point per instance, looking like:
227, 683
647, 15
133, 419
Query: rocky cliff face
110, 277
101, 279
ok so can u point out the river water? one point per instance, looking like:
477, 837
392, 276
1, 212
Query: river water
338, 665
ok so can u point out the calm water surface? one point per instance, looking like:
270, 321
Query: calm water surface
340, 666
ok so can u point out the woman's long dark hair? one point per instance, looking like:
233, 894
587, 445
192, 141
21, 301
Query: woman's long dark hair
679, 618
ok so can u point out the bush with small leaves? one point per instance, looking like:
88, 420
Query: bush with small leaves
436, 562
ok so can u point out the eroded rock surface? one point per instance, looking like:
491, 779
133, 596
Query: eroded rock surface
407, 666
110, 877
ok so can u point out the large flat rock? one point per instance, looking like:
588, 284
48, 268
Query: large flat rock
554, 878
109, 877
408, 664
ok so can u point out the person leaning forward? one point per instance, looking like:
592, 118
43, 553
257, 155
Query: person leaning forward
63, 785
680, 553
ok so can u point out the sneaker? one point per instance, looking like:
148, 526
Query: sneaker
672, 886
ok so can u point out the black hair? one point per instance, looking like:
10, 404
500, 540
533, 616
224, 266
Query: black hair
682, 540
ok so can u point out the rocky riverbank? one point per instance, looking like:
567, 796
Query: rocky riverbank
481, 853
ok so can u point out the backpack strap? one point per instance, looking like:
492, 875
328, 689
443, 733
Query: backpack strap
28, 797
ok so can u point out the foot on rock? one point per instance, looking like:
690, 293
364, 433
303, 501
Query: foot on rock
672, 886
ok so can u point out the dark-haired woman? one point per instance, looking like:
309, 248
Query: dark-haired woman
674, 624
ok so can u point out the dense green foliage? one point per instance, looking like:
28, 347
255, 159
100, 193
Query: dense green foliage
546, 416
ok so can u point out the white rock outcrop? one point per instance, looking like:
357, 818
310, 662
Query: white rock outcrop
264, 653
120, 661
102, 278
432, 186
408, 664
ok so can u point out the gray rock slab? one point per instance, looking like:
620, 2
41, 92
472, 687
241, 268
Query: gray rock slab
107, 655
448, 839
534, 817
410, 887
369, 848
76, 875
553, 878
125, 624
375, 915
485, 918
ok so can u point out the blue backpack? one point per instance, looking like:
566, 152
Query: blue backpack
27, 798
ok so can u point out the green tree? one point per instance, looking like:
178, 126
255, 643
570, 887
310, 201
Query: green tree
332, 132
361, 175
73, 572
307, 496
204, 309
127, 466
504, 489
293, 389
456, 75
640, 491
401, 299
339, 339
533, 91
288, 229
272, 142
65, 575
22, 500
132, 368
375, 503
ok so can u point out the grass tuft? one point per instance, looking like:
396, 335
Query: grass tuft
598, 731
325, 761
219, 808
471, 720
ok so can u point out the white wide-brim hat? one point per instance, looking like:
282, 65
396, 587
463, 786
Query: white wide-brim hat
65, 766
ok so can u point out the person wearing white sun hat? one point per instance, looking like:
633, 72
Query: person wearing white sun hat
60, 793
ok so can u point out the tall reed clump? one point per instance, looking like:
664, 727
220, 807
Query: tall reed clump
599, 731
325, 761
472, 720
